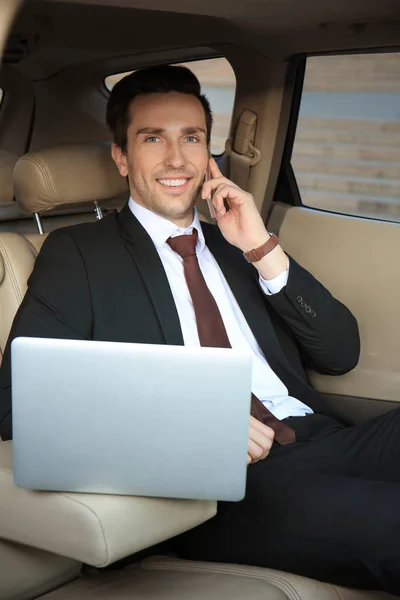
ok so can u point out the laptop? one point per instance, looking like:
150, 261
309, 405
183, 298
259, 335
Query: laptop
134, 419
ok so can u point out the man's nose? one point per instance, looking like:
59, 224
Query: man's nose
175, 156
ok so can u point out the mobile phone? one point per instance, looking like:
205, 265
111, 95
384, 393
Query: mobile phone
209, 199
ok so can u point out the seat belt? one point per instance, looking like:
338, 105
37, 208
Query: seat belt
241, 150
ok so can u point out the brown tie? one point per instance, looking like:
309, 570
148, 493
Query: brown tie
211, 328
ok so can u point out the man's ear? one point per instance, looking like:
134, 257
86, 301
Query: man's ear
120, 159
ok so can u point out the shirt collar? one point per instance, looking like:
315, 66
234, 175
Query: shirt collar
160, 229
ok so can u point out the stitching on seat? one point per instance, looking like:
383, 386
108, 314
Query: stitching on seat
45, 174
17, 290
103, 564
39, 163
338, 592
2, 269
279, 582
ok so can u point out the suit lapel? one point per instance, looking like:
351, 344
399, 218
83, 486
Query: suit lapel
241, 278
149, 265
243, 281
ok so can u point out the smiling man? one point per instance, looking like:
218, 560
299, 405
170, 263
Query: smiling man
155, 274
165, 164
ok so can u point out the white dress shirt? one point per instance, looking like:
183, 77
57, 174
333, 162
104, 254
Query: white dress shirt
265, 384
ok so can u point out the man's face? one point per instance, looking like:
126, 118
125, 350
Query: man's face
167, 154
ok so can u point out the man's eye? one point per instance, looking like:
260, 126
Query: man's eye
151, 139
191, 139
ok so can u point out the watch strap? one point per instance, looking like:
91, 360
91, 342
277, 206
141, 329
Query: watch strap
258, 253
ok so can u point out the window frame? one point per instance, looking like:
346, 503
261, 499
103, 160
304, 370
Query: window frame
287, 189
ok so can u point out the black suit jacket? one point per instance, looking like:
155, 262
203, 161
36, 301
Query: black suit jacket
105, 281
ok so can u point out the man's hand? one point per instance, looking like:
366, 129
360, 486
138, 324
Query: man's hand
242, 225
261, 438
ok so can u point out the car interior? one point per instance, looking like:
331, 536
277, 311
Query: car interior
307, 119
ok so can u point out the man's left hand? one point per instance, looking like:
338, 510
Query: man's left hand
241, 225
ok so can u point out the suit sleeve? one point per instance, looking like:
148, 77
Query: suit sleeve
325, 330
57, 304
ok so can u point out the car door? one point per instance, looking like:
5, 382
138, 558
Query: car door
337, 211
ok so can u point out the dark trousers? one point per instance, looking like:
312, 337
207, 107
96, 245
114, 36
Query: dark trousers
326, 507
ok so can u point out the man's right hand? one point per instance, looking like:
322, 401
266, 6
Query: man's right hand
261, 438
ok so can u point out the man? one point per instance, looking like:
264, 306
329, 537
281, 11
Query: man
322, 499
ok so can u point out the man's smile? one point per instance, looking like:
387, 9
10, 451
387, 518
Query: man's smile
175, 185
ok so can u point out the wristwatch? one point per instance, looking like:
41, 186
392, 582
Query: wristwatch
257, 254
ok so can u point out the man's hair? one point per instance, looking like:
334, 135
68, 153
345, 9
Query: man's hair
154, 80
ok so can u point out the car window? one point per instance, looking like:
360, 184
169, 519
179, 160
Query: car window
346, 155
218, 83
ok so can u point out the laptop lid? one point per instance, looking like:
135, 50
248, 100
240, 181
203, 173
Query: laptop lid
137, 419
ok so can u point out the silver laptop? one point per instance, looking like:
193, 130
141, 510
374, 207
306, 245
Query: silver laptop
136, 419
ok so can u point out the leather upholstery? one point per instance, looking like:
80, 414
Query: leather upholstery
65, 175
257, 580
92, 528
42, 183
27, 572
17, 257
36, 240
162, 578
356, 259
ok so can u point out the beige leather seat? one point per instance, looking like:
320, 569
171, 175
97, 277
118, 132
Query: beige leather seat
45, 537
44, 182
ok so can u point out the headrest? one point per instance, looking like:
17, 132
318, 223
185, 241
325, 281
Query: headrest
7, 163
66, 175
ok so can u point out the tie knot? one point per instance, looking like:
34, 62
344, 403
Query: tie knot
184, 245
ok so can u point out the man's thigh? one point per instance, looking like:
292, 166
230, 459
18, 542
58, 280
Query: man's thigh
321, 525
370, 450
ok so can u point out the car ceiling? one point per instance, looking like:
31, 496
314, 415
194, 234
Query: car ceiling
51, 35
270, 16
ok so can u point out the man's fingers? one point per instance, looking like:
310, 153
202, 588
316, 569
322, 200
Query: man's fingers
211, 185
228, 192
262, 441
214, 169
261, 438
223, 191
216, 180
255, 451
261, 427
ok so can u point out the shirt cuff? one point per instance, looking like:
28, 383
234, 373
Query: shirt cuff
273, 286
